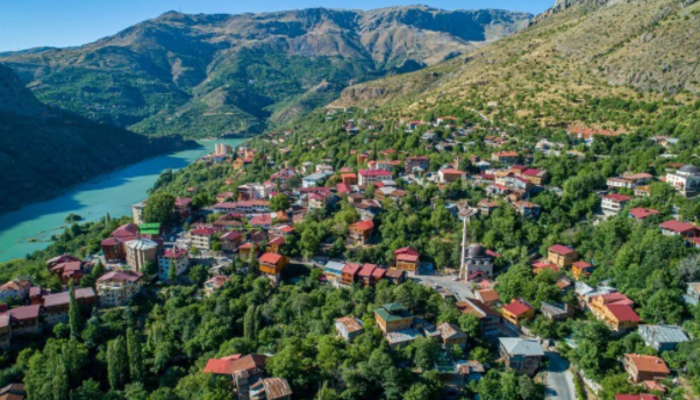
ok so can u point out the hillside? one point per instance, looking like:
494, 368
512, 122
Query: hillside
627, 49
43, 151
204, 75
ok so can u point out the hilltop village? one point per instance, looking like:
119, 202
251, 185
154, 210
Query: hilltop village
475, 255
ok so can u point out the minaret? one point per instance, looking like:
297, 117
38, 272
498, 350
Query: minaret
462, 273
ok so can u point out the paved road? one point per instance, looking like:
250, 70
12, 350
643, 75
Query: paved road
461, 289
560, 382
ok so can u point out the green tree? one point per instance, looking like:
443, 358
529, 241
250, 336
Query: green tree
89, 390
150, 269
133, 339
117, 363
73, 311
250, 323
279, 202
159, 208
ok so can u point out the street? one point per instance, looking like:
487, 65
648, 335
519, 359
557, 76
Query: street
560, 382
461, 289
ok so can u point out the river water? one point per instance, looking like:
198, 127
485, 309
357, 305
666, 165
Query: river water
30, 228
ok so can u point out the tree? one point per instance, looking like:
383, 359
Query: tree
133, 339
426, 352
89, 390
117, 363
150, 269
159, 208
250, 323
73, 311
198, 274
279, 202
61, 381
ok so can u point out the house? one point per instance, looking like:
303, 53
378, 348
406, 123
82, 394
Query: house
17, 289
116, 288
535, 176
370, 176
396, 276
407, 259
349, 327
686, 180
272, 264
641, 214
614, 203
24, 319
245, 207
314, 179
642, 191
401, 338
538, 267
527, 209
662, 337
488, 296
270, 389
114, 247
275, 245
393, 317
246, 371
506, 157
140, 252
615, 310
645, 368
349, 273
449, 175
488, 318
641, 396
581, 269
173, 258
451, 335
364, 275
13, 391
360, 232
67, 271
202, 238
417, 164
334, 271
261, 221
215, 283
561, 255
692, 293
349, 178
517, 312
486, 207
677, 228
556, 312
221, 366
231, 240
476, 262
521, 355
56, 305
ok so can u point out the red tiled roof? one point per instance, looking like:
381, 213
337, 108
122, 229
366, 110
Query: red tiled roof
378, 273
175, 253
451, 171
120, 276
677, 226
270, 258
374, 172
24, 312
221, 366
232, 235
617, 197
351, 268
408, 257
623, 312
203, 231
641, 213
364, 225
648, 363
63, 298
561, 249
642, 396
517, 308
367, 270
581, 264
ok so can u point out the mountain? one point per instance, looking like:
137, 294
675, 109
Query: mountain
632, 49
44, 150
203, 75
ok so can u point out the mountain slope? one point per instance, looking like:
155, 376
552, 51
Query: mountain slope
44, 151
203, 75
581, 47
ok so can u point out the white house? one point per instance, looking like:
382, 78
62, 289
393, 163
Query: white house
172, 258
686, 180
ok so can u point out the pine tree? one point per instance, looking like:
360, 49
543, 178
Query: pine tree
60, 381
73, 312
98, 270
117, 363
249, 323
133, 339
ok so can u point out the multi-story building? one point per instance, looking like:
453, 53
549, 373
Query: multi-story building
407, 259
489, 320
349, 273
16, 289
518, 312
116, 288
56, 305
202, 238
173, 258
521, 355
449, 175
272, 264
662, 337
140, 252
137, 212
645, 368
615, 310
417, 164
561, 255
527, 209
614, 203
393, 317
360, 232
685, 180
369, 176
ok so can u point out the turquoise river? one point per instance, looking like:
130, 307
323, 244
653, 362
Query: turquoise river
30, 228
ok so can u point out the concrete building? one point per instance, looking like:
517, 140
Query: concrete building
116, 288
56, 305
137, 212
477, 262
173, 258
521, 355
140, 252
686, 180
393, 317
662, 337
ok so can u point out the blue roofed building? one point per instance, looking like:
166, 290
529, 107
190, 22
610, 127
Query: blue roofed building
662, 337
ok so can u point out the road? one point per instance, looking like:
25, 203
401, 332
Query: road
461, 289
560, 381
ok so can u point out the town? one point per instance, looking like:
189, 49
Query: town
330, 222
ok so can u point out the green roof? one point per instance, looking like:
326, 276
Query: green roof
392, 312
150, 228
394, 307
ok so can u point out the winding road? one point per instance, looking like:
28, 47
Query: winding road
560, 381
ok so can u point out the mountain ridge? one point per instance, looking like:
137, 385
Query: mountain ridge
211, 73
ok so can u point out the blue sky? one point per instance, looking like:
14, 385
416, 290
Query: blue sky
61, 23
